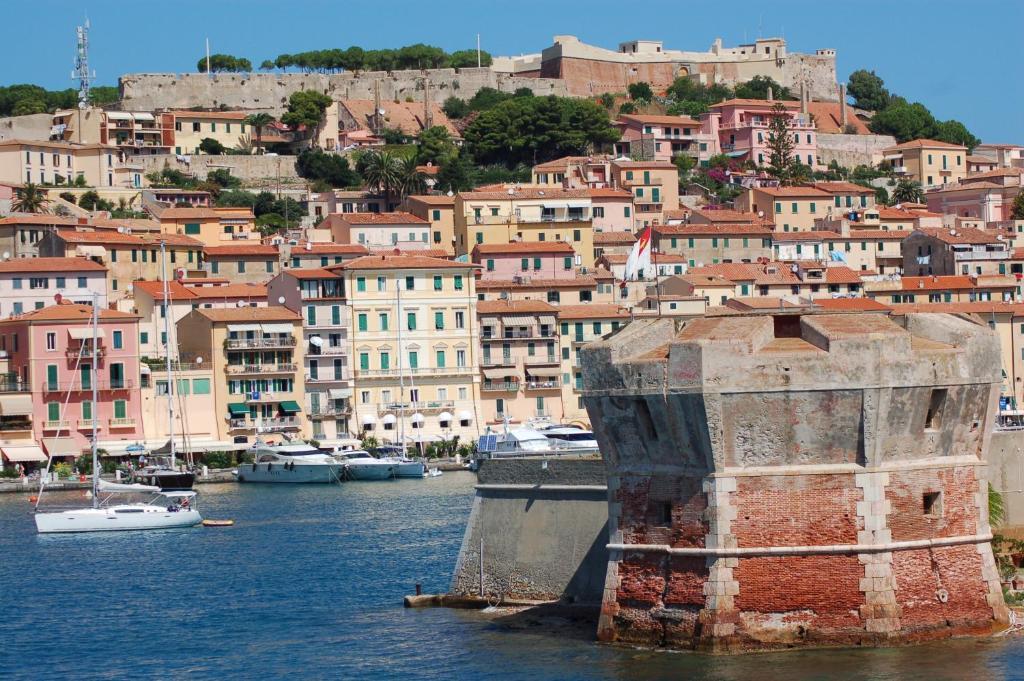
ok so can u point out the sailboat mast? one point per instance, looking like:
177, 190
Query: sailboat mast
95, 401
401, 372
167, 348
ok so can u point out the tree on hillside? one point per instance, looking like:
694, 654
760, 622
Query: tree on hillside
955, 132
266, 65
455, 175
640, 92
780, 144
627, 108
411, 179
908, 191
905, 122
382, 172
606, 99
306, 108
30, 198
868, 90
89, 200
258, 121
435, 145
224, 63
757, 88
1017, 212
334, 169
209, 145
460, 59
455, 108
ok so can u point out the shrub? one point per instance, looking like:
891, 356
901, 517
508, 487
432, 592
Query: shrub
219, 459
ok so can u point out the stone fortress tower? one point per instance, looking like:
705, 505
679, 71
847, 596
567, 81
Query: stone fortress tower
797, 478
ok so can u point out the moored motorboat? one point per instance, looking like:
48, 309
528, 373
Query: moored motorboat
361, 465
404, 466
292, 463
158, 472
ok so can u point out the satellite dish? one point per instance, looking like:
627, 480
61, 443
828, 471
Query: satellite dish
7, 255
450, 193
511, 191
240, 303
199, 360
380, 111
280, 300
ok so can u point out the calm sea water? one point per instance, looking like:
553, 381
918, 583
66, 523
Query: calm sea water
309, 584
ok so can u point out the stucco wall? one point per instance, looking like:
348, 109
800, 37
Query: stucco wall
852, 150
246, 168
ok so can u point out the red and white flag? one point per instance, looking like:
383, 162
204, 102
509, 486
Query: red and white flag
639, 258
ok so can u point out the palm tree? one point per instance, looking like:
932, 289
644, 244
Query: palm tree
411, 178
382, 172
908, 191
31, 199
258, 121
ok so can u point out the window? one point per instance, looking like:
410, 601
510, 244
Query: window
383, 319
118, 340
439, 321
437, 282
311, 315
192, 228
241, 267
51, 341
382, 284
626, 212
214, 267
460, 319
51, 376
270, 265
117, 375
385, 360
82, 282
120, 409
364, 361
931, 504
460, 358
536, 264
61, 282
87, 410
933, 419
490, 265
458, 282
53, 411
17, 282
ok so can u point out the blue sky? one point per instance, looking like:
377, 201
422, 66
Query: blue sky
959, 58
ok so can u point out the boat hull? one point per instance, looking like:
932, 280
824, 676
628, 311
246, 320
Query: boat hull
371, 471
410, 469
119, 518
290, 473
167, 481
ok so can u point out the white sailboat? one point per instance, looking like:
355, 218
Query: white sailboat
404, 467
163, 509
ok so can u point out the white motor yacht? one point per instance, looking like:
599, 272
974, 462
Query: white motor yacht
289, 463
163, 510
522, 442
404, 466
361, 465
571, 440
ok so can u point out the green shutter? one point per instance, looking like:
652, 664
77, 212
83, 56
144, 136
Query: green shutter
362, 321
192, 228
120, 409
335, 314
439, 320
51, 378
53, 411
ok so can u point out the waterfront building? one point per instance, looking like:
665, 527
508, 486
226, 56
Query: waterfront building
195, 423
33, 283
256, 358
249, 263
127, 257
427, 381
318, 295
941, 251
51, 351
930, 162
577, 326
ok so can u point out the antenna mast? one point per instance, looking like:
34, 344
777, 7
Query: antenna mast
81, 72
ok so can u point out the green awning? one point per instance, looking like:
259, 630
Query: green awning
290, 407
238, 409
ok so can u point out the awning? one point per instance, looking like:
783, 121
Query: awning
518, 321
499, 374
290, 407
243, 327
388, 419
339, 393
543, 371
276, 328
118, 115
91, 251
417, 418
578, 204
61, 446
23, 453
84, 333
369, 419
238, 409
15, 405
444, 416
547, 319
736, 154
465, 415
141, 116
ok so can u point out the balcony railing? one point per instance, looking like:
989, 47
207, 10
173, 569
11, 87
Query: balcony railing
236, 369
414, 407
328, 377
502, 360
541, 359
122, 423
240, 424
506, 386
327, 410
279, 423
265, 397
981, 255
542, 385
327, 349
86, 353
529, 333
525, 220
649, 182
262, 342
55, 425
122, 384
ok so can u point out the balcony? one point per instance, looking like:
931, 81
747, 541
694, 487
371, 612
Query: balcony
256, 343
56, 425
505, 387
900, 170
525, 220
241, 369
328, 349
418, 371
980, 255
86, 353
122, 423
502, 361
543, 385
329, 377
280, 423
240, 424
551, 358
649, 182
326, 410
267, 397
431, 406
528, 333
122, 384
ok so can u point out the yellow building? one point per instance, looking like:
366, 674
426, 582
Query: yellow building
930, 162
791, 209
256, 361
212, 226
525, 214
414, 347
62, 163
192, 127
579, 325
440, 212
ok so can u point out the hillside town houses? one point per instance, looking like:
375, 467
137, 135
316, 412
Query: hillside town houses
424, 316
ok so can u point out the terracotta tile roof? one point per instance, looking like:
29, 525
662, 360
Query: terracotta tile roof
963, 235
610, 238
858, 304
890, 213
274, 313
953, 282
978, 307
564, 162
797, 192
657, 120
828, 118
998, 172
844, 188
890, 234
608, 193
400, 262
322, 248
841, 275
432, 199
117, 238
705, 279
311, 273
592, 311
36, 219
966, 186
652, 165
219, 115
70, 312
927, 144
184, 213
601, 274
724, 229
405, 116
677, 213
239, 250
526, 193
580, 281
230, 291
818, 235
513, 306
397, 218
47, 265
517, 247
155, 289
981, 160
760, 274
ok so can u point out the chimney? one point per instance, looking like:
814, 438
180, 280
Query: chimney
842, 105
803, 98
770, 93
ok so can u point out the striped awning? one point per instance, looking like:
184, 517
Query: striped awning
544, 371
23, 453
84, 333
547, 319
499, 374
518, 321
61, 446
16, 405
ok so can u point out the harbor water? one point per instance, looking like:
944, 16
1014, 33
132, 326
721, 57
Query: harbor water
309, 584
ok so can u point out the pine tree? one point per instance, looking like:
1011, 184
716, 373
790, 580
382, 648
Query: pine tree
780, 144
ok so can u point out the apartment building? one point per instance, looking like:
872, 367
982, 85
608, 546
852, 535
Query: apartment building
51, 350
256, 359
379, 230
214, 226
33, 283
439, 211
522, 260
986, 197
742, 128
616, 242
954, 288
579, 325
661, 138
790, 209
520, 362
930, 162
252, 263
415, 344
787, 281
942, 251
42, 162
192, 127
654, 186
318, 295
711, 243
309, 254
584, 287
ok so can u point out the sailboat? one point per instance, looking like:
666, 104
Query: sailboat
162, 510
161, 469
404, 467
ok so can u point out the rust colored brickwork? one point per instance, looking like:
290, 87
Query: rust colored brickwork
924, 577
663, 510
789, 510
959, 509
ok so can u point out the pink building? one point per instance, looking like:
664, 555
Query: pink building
741, 126
659, 138
526, 259
987, 197
612, 209
51, 351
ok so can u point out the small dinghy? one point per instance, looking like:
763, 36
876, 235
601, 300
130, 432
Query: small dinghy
218, 523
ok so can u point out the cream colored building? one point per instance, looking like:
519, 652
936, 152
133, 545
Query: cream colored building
414, 348
930, 162
192, 127
195, 414
256, 361
40, 162
579, 325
